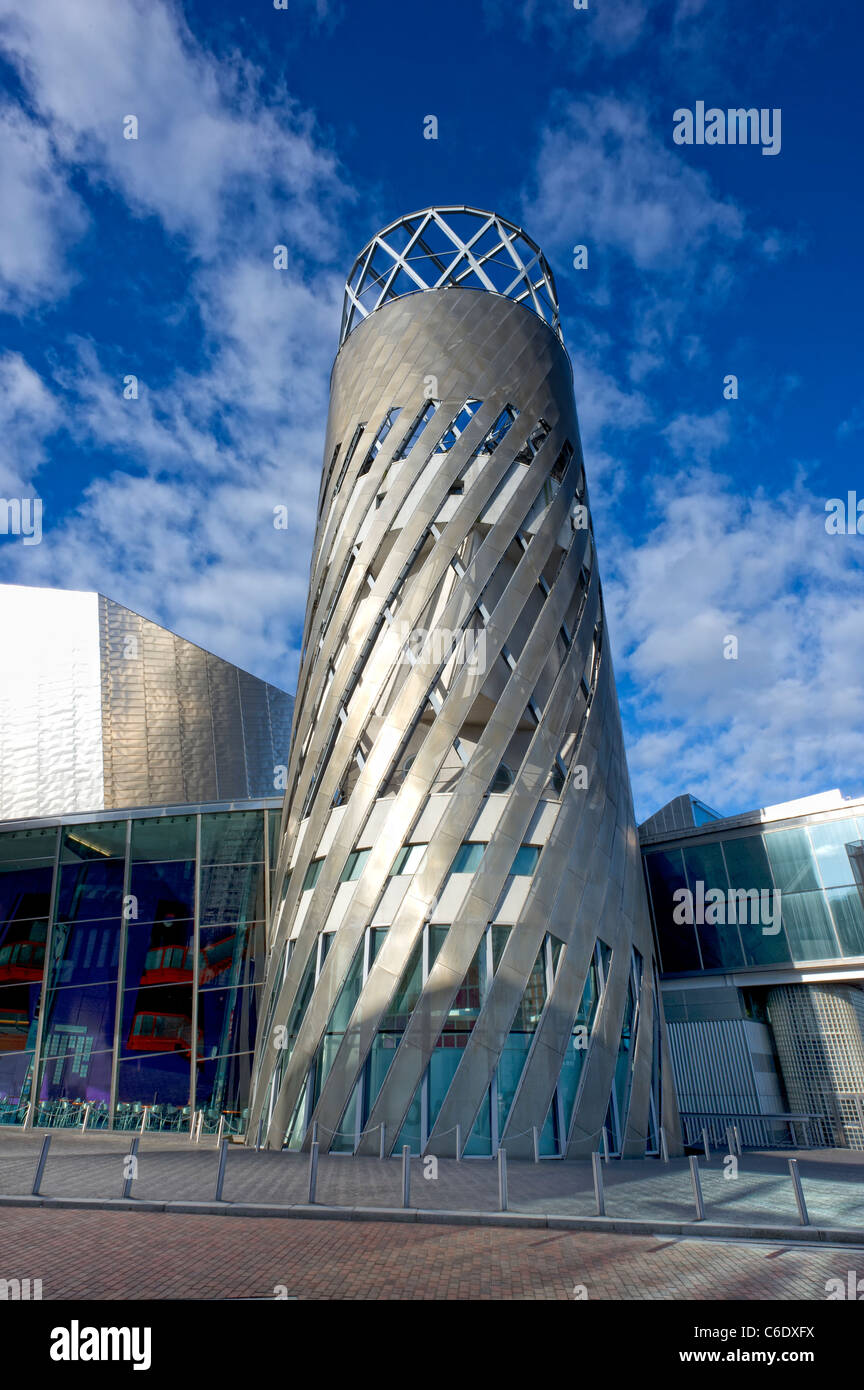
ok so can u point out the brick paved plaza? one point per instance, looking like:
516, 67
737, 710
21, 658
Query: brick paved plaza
170, 1169
152, 1255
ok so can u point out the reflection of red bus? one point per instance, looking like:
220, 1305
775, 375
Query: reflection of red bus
163, 1017
22, 954
14, 1026
167, 965
216, 957
162, 1032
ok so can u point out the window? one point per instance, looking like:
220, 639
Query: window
407, 860
355, 440
498, 431
525, 861
354, 865
502, 780
458, 425
386, 426
418, 426
468, 857
313, 873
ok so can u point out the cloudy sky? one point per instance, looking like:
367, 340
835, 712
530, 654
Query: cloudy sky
303, 126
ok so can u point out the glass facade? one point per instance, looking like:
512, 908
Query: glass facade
131, 952
814, 870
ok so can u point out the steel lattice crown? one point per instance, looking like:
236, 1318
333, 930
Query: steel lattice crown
449, 246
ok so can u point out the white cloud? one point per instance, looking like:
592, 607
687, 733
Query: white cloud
182, 529
29, 414
607, 176
696, 438
786, 716
42, 216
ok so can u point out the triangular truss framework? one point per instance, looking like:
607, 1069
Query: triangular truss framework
449, 246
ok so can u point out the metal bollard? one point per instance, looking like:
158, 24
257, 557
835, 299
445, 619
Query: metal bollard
40, 1166
313, 1171
730, 1140
200, 1126
406, 1176
259, 1134
314, 1138
599, 1196
145, 1112
697, 1188
799, 1192
127, 1182
502, 1179
706, 1145
535, 1138
737, 1135
87, 1108
458, 1143
220, 1176
664, 1147
605, 1145
382, 1142
220, 1130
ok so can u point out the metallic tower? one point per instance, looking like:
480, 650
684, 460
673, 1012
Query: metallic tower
460, 950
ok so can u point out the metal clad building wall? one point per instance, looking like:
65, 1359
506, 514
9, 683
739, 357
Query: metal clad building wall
712, 1065
425, 543
50, 708
177, 728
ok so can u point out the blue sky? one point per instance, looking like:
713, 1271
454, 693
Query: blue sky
304, 126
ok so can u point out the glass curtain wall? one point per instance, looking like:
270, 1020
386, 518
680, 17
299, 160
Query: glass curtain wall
817, 868
128, 952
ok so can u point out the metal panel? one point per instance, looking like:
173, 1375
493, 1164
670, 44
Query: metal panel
50, 703
456, 532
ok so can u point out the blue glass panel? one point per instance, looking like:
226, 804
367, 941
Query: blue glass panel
157, 1078
163, 837
158, 1020
25, 891
99, 840
224, 1083
162, 891
832, 841
228, 954
525, 861
720, 943
677, 941
792, 860
22, 952
84, 953
78, 1041
17, 845
16, 1071
92, 889
231, 893
227, 1019
808, 926
19, 1014
157, 954
848, 912
232, 837
468, 857
748, 868
480, 1139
